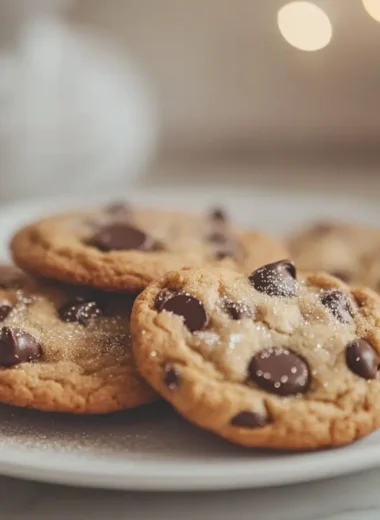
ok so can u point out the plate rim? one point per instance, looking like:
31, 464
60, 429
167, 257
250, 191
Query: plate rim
146, 474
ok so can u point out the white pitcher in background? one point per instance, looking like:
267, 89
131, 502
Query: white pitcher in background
74, 117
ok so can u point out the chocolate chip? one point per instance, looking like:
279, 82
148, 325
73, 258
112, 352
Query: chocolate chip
339, 305
225, 251
161, 298
122, 237
79, 311
5, 309
236, 310
322, 228
17, 346
277, 279
118, 209
218, 214
362, 359
225, 246
171, 377
217, 237
249, 419
280, 371
189, 307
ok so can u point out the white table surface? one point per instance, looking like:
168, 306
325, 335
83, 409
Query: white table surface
355, 497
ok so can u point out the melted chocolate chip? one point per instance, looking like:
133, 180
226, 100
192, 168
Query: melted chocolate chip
218, 215
162, 298
339, 305
249, 419
171, 377
280, 371
362, 359
17, 346
122, 237
79, 311
277, 279
236, 310
5, 309
190, 308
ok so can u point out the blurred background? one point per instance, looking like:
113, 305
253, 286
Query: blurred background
99, 95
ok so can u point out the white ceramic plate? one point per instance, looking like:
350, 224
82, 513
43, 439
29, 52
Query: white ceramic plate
152, 448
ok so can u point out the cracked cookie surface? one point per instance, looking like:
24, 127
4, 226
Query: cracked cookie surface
65, 349
267, 360
121, 249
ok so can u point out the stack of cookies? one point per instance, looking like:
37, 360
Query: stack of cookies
115, 307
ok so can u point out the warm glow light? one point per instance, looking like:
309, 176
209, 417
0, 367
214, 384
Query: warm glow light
304, 25
373, 8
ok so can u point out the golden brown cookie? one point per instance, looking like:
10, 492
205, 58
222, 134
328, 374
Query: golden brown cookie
66, 350
370, 268
265, 360
335, 247
116, 248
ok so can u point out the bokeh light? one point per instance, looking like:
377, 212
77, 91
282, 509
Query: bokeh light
304, 25
373, 8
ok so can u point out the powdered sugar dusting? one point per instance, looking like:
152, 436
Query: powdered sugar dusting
234, 341
209, 338
151, 430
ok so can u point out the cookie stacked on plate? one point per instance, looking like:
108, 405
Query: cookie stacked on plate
271, 359
347, 251
123, 305
65, 341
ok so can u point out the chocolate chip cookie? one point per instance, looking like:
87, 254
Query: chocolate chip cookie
335, 247
370, 271
121, 249
266, 360
62, 349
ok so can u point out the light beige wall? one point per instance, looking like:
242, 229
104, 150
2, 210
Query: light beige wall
225, 77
